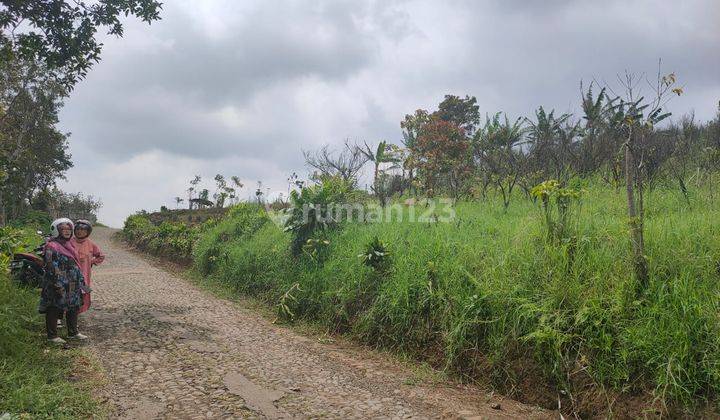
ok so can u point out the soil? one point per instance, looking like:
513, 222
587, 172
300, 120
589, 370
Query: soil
171, 350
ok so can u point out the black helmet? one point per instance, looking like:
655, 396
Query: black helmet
83, 224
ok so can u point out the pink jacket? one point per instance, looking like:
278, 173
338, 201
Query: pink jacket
89, 254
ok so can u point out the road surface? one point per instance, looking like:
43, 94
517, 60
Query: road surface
171, 350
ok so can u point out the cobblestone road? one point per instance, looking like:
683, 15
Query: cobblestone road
171, 350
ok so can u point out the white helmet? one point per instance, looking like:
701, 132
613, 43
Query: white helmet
54, 231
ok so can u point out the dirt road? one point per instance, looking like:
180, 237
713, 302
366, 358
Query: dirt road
171, 350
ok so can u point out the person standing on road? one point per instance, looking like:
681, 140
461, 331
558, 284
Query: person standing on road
64, 284
89, 254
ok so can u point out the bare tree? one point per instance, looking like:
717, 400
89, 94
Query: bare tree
345, 163
640, 117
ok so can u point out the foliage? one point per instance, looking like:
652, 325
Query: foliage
384, 154
34, 219
376, 255
316, 208
171, 240
442, 156
496, 146
73, 205
240, 223
482, 297
553, 143
557, 203
463, 112
33, 152
62, 34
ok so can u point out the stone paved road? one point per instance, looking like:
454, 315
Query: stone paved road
170, 350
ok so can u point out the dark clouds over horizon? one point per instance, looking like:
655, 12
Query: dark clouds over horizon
241, 88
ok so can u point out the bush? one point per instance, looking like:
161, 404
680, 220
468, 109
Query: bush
316, 208
171, 240
34, 219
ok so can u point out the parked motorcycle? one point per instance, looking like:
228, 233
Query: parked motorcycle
28, 268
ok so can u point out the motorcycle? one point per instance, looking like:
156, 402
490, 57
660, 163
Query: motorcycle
28, 268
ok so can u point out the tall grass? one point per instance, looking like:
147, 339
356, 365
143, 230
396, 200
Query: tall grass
487, 296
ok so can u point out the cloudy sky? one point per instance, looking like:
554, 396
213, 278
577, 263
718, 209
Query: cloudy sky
242, 87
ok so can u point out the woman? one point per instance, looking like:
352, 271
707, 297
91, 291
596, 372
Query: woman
89, 255
64, 283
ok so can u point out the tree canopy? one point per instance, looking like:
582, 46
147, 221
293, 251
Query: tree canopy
62, 34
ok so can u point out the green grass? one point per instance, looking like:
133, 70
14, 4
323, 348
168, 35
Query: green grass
37, 380
487, 297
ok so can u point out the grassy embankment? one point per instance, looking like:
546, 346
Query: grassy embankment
37, 380
487, 296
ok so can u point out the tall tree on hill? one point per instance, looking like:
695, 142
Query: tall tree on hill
464, 112
222, 192
193, 188
443, 157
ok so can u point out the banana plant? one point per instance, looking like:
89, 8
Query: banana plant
384, 153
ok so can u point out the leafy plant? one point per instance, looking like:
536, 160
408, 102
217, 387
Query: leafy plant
286, 300
315, 249
316, 208
557, 203
376, 255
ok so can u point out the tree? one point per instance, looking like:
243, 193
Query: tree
238, 186
178, 200
62, 34
412, 126
193, 187
346, 163
640, 119
463, 112
442, 156
221, 193
497, 147
552, 144
33, 152
384, 153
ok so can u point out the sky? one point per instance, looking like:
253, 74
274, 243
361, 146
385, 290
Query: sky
243, 87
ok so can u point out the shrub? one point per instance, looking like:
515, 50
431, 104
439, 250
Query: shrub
316, 208
171, 240
558, 204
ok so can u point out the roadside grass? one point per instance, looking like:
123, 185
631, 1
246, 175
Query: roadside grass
487, 297
37, 380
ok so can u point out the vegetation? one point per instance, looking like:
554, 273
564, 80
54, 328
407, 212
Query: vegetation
35, 380
489, 296
171, 240
61, 34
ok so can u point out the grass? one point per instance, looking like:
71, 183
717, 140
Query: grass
37, 380
487, 297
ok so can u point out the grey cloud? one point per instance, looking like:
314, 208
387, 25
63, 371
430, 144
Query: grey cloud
227, 82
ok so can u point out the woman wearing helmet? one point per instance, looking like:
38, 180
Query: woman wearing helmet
64, 283
89, 255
